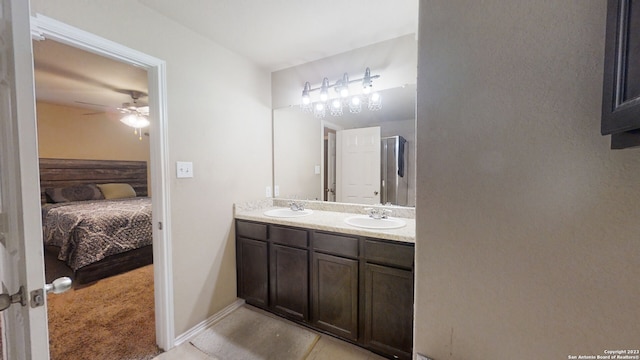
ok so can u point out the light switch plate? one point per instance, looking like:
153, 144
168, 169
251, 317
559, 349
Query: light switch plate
317, 169
267, 191
276, 190
184, 169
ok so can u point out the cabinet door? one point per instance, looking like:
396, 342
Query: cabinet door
621, 86
335, 295
388, 310
252, 269
290, 281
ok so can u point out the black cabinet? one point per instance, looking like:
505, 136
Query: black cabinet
289, 272
621, 85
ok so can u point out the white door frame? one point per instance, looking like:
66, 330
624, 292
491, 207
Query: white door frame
332, 126
48, 28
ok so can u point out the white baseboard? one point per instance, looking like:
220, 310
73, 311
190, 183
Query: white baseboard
196, 330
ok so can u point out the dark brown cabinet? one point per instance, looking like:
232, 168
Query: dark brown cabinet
289, 272
252, 263
252, 266
335, 295
359, 289
334, 283
388, 310
621, 85
388, 297
290, 281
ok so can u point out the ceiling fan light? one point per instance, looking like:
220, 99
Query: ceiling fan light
136, 121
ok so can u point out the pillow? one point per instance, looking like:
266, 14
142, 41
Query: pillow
117, 191
74, 193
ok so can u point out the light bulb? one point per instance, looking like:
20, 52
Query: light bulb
355, 105
135, 121
324, 90
336, 107
319, 110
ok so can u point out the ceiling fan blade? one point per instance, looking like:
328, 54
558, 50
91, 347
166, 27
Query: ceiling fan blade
94, 113
88, 103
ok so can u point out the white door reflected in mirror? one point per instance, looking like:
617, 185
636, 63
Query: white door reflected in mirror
358, 165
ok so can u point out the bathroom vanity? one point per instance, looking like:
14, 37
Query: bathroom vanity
352, 283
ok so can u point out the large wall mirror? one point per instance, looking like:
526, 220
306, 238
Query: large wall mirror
317, 158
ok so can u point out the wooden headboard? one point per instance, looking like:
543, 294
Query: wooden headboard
57, 173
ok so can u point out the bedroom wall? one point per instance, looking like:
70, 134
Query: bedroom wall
65, 133
527, 223
219, 118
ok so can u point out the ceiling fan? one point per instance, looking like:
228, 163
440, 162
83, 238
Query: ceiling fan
133, 107
127, 108
135, 116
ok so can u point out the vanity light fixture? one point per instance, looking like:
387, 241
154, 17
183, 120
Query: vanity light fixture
355, 105
354, 102
367, 84
324, 90
336, 107
306, 99
375, 102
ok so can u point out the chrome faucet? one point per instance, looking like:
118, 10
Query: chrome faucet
378, 213
296, 206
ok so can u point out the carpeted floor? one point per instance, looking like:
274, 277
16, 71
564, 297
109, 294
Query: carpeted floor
246, 334
111, 319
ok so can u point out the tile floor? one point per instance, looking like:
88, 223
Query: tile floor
327, 348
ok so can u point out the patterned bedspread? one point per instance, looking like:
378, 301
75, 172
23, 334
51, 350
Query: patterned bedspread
89, 231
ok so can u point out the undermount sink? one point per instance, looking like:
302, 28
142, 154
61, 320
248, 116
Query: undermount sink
367, 222
287, 213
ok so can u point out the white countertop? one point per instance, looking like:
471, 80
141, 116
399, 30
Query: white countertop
332, 221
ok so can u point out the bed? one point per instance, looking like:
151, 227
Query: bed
96, 237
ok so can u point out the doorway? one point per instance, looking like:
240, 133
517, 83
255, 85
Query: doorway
50, 29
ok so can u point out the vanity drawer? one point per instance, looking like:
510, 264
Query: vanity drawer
383, 252
288, 236
335, 244
251, 230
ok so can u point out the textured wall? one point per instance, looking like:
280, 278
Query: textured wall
527, 224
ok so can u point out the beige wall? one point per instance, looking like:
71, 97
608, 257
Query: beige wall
527, 231
65, 132
297, 145
219, 118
